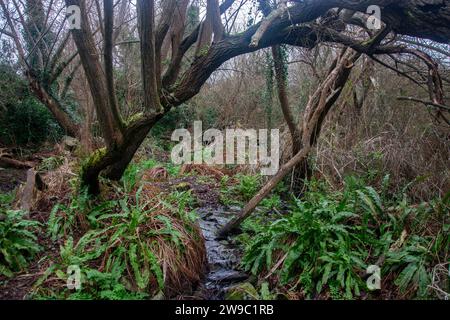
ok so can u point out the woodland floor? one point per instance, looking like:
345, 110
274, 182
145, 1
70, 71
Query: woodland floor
11, 179
223, 255
206, 185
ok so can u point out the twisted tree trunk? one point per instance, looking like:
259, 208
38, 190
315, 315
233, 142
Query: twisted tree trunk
161, 94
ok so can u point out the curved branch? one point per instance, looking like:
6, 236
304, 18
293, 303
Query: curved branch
265, 24
427, 103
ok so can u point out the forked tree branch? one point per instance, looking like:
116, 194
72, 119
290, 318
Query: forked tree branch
108, 116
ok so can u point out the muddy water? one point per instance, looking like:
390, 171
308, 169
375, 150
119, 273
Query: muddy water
223, 255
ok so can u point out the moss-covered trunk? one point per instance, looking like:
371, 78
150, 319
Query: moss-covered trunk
114, 160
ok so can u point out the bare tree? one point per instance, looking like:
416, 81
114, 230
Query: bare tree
40, 55
315, 112
293, 23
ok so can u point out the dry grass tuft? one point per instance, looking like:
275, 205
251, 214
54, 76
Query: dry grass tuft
202, 170
175, 240
182, 261
58, 183
399, 141
412, 151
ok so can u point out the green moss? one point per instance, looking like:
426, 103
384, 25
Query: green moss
135, 117
183, 186
87, 173
93, 159
203, 51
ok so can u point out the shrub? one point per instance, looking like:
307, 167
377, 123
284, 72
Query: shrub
320, 249
23, 119
130, 238
326, 241
239, 189
18, 243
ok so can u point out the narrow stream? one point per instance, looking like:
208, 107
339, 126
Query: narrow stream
223, 255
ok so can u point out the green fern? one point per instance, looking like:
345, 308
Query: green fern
116, 237
18, 242
412, 260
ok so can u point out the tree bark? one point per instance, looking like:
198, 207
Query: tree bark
107, 112
53, 105
302, 171
108, 6
281, 77
7, 162
204, 38
167, 18
115, 160
213, 10
28, 192
146, 13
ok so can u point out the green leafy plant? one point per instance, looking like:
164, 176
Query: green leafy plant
131, 174
6, 200
318, 245
63, 218
273, 202
51, 163
125, 238
412, 260
327, 240
245, 188
182, 204
121, 245
18, 242
248, 185
247, 291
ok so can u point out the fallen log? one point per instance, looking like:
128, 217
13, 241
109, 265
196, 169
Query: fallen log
7, 162
315, 112
268, 187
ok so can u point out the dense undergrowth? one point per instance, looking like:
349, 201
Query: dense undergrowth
140, 239
23, 119
322, 246
17, 238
